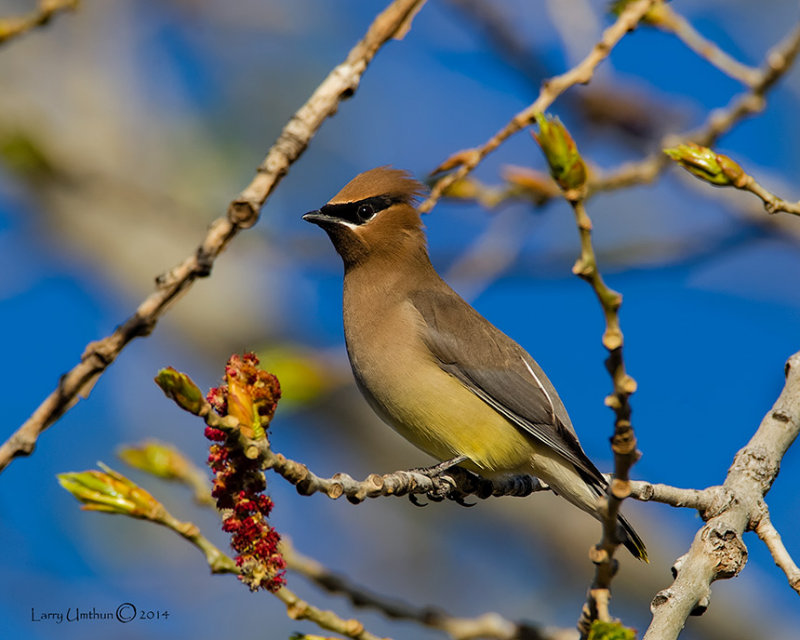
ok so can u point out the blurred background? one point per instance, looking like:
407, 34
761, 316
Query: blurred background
125, 129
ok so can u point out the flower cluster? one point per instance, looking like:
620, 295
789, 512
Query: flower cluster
250, 395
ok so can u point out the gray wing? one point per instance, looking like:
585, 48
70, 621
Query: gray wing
501, 373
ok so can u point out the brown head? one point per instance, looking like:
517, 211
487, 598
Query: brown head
374, 215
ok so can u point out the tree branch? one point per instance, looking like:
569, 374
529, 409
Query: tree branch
671, 21
778, 61
772, 203
296, 609
623, 442
770, 536
455, 484
488, 625
699, 499
243, 213
582, 73
718, 551
11, 28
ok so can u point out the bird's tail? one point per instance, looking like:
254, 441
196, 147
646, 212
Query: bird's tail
631, 540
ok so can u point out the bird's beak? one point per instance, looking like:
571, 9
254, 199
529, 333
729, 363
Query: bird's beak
316, 217
325, 221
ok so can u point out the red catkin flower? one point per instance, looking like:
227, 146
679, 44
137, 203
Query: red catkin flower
250, 395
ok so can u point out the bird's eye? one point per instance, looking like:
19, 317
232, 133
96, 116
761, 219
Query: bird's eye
365, 212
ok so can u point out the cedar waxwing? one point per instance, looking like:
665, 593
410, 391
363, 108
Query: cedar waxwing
431, 366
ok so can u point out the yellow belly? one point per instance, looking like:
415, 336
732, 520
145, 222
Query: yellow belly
434, 411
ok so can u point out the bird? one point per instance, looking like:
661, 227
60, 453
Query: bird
432, 367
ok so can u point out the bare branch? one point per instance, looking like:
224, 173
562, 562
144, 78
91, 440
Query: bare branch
243, 213
690, 498
11, 28
670, 20
778, 61
770, 536
296, 609
455, 484
772, 203
582, 73
569, 171
488, 625
623, 442
718, 550
299, 609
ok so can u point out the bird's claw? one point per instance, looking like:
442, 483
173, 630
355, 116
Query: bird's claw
438, 469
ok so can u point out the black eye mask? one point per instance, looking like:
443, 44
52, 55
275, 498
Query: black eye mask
360, 211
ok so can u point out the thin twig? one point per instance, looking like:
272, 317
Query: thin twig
299, 609
699, 499
582, 73
770, 536
623, 442
488, 625
242, 213
670, 20
218, 561
296, 608
718, 551
778, 61
11, 28
772, 203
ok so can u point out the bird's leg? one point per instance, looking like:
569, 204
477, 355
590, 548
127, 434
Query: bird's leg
438, 469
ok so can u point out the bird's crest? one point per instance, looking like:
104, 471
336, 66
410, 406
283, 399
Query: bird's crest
397, 184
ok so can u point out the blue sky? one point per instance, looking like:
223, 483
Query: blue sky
163, 122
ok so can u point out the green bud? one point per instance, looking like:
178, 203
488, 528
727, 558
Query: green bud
111, 492
732, 170
156, 458
702, 162
610, 631
566, 165
181, 389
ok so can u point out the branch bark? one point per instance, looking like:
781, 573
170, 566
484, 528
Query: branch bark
769, 536
718, 550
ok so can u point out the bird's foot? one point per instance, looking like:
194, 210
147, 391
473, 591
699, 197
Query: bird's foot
445, 485
438, 469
